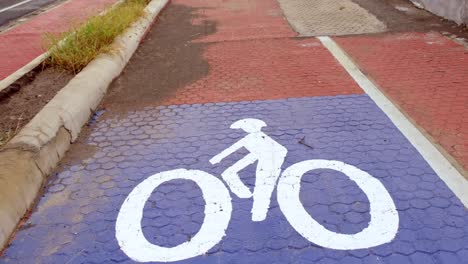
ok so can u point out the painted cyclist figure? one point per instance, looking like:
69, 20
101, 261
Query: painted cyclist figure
270, 156
382, 227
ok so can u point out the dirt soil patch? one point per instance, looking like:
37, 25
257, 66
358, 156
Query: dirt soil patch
19, 108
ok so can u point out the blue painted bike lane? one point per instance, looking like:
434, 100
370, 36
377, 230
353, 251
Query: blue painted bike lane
76, 219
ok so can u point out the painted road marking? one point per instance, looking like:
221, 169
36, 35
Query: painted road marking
382, 227
218, 210
270, 156
384, 221
13, 6
82, 202
438, 162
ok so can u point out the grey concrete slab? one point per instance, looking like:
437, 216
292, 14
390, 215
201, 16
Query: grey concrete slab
329, 17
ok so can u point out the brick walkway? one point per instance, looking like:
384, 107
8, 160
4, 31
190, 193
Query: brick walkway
250, 67
270, 72
427, 79
23, 43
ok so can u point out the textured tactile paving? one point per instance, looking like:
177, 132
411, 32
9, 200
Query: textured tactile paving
75, 220
329, 17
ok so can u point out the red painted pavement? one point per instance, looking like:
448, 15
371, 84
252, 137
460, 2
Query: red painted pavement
427, 76
23, 43
241, 19
271, 69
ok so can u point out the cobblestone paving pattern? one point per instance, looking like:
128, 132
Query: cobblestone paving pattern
74, 222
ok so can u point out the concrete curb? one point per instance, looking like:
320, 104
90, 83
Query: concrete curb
31, 155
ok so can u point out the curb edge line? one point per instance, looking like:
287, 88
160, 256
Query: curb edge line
436, 160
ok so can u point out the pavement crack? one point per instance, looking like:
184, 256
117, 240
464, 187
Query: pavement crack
303, 142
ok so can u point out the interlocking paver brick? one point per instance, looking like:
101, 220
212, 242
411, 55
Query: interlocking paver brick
425, 74
311, 107
269, 71
174, 212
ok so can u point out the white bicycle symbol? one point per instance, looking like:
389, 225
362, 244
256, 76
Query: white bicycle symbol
382, 228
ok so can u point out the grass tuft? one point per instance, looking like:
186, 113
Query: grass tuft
74, 49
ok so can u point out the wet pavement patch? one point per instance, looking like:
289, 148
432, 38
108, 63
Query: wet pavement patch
166, 61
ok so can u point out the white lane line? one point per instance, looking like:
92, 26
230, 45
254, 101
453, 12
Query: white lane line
446, 171
15, 5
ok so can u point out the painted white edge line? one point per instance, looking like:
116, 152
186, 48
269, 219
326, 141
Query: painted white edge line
438, 162
13, 6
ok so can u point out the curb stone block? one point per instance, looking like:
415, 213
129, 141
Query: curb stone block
20, 179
